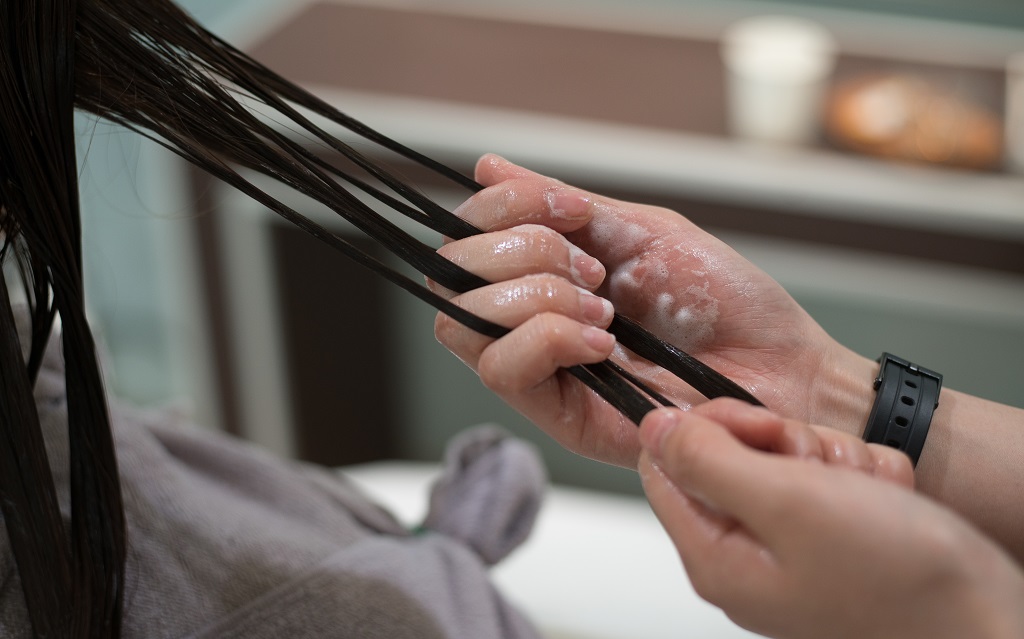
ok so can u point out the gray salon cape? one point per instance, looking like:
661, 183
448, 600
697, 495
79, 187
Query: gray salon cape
225, 540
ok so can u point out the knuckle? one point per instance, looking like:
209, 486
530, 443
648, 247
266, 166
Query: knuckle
549, 287
690, 454
542, 235
940, 541
950, 551
716, 582
438, 289
493, 373
540, 241
706, 584
450, 251
445, 329
548, 331
474, 209
516, 362
547, 293
509, 201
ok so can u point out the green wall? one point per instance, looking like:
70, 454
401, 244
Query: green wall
1003, 13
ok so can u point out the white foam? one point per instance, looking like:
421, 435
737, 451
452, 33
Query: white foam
624, 281
687, 326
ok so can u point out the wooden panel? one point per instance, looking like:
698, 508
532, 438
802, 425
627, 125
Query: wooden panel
585, 73
653, 80
335, 327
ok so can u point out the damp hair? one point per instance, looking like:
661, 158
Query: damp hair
147, 65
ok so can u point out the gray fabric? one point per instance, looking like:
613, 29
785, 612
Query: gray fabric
489, 493
226, 540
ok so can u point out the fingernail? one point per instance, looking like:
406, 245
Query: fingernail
598, 339
567, 203
656, 428
596, 310
586, 270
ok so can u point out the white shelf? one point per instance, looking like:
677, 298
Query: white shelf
810, 181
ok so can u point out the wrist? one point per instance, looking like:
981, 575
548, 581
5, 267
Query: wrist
842, 393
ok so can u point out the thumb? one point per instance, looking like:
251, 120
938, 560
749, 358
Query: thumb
708, 463
727, 562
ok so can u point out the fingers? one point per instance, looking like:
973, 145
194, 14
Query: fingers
759, 428
492, 169
717, 501
524, 250
532, 354
539, 274
517, 196
842, 449
723, 561
512, 303
892, 465
710, 464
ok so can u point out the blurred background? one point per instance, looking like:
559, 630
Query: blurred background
863, 153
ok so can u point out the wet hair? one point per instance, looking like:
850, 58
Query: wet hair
148, 66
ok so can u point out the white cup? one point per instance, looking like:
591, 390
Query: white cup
1014, 119
777, 70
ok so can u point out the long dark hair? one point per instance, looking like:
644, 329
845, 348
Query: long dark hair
147, 65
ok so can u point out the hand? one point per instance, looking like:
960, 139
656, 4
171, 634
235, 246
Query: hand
549, 246
819, 537
540, 245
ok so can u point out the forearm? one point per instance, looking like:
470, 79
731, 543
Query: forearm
973, 459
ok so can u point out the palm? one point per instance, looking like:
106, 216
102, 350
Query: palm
693, 291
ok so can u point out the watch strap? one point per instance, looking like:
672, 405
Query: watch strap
907, 396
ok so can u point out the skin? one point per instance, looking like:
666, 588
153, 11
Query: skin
548, 245
792, 541
776, 521
761, 338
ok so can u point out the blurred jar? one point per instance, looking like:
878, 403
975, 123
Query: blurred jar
777, 72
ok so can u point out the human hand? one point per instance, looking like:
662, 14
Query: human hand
547, 246
804, 542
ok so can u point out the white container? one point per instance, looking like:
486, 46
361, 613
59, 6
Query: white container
777, 71
1014, 122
